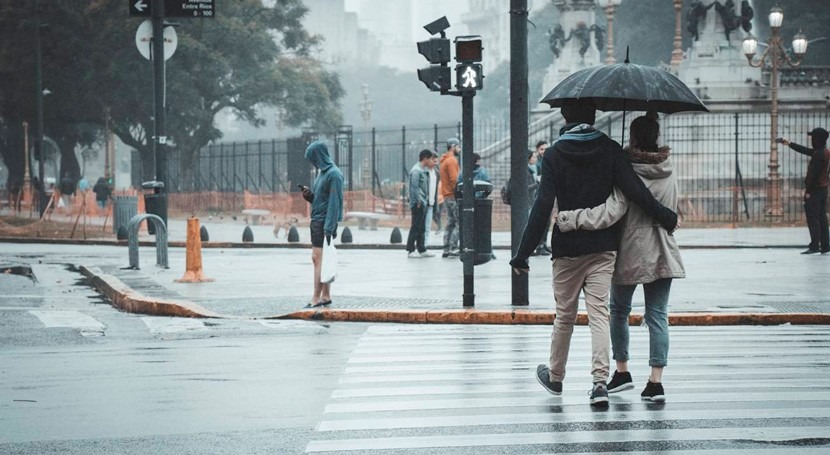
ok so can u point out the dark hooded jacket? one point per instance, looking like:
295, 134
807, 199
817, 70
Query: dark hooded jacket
328, 188
580, 170
819, 164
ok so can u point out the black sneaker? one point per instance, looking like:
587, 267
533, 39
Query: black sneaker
451, 254
620, 382
653, 392
810, 251
599, 394
543, 376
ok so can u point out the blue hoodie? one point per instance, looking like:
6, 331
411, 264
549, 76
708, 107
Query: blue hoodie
328, 188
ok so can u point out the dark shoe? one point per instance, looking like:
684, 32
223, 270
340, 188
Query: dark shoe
620, 382
451, 254
541, 252
599, 394
543, 376
316, 305
810, 251
653, 392
326, 303
825, 251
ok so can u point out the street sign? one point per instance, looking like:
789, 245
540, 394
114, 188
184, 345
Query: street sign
174, 8
144, 40
139, 8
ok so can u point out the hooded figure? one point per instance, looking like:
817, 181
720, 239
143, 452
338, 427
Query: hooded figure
327, 205
815, 192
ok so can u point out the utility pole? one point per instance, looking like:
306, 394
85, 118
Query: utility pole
468, 252
159, 89
518, 141
39, 108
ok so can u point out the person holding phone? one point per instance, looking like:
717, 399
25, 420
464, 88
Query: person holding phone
815, 192
326, 211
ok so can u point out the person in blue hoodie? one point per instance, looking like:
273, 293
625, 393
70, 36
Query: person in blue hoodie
326, 200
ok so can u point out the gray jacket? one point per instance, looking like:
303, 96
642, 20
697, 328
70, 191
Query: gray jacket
418, 185
647, 251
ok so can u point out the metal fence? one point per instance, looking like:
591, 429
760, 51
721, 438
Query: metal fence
721, 160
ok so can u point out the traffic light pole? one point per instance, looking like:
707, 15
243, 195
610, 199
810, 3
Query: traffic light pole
159, 136
518, 140
468, 199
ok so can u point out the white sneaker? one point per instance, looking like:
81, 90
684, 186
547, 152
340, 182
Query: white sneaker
414, 255
427, 254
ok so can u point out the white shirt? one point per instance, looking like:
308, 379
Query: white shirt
433, 186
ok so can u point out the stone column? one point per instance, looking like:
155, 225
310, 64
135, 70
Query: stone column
573, 16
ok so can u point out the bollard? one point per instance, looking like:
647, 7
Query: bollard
396, 237
203, 234
193, 263
293, 235
346, 235
122, 232
247, 235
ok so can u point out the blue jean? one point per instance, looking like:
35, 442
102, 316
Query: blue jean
656, 317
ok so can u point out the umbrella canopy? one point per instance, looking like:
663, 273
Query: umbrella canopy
626, 87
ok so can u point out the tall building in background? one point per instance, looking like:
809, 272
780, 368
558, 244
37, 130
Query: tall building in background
491, 20
345, 44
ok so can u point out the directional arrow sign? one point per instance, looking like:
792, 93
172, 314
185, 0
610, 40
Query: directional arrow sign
139, 8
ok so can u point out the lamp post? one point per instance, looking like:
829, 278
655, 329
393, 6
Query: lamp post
365, 105
27, 179
775, 55
677, 53
610, 7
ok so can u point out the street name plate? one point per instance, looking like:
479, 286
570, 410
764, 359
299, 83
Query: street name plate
174, 8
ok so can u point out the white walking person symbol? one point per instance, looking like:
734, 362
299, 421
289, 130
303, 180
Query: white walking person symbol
469, 77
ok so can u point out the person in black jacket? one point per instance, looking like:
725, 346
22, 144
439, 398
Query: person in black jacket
580, 171
815, 193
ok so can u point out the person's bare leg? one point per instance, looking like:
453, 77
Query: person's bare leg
317, 259
656, 375
622, 366
325, 294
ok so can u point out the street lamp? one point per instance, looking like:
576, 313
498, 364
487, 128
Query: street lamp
610, 7
677, 53
776, 55
365, 105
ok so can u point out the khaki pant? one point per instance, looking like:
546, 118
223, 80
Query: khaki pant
592, 275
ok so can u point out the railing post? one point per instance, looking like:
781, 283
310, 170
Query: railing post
374, 162
403, 154
435, 138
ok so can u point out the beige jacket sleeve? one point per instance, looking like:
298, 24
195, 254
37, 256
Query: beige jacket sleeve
593, 219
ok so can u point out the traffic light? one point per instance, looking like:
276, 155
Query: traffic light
437, 76
469, 75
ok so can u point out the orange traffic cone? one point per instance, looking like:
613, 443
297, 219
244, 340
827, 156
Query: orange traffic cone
193, 265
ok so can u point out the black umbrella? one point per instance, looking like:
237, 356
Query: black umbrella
626, 87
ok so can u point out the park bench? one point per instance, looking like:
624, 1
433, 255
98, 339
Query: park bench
367, 218
255, 215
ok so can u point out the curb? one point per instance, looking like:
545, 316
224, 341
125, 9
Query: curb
340, 246
128, 300
530, 317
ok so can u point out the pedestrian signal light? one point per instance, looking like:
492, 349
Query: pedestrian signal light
468, 77
436, 78
468, 49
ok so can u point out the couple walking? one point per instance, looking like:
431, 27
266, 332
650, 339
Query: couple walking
595, 184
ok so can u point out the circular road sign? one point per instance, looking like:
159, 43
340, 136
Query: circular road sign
144, 40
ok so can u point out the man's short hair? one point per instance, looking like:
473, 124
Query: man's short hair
476, 158
579, 112
425, 154
541, 143
452, 142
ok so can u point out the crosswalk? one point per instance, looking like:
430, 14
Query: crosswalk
471, 389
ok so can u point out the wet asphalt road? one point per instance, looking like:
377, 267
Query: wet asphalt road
77, 377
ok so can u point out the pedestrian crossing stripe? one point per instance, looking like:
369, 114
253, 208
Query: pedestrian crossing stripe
463, 389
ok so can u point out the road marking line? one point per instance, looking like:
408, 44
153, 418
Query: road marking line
160, 324
87, 325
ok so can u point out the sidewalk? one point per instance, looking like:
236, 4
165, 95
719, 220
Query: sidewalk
377, 284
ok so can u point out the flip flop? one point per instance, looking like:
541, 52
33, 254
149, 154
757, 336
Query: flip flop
326, 303
315, 305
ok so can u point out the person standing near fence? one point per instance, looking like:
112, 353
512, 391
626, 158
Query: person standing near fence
432, 198
418, 200
815, 193
449, 169
326, 211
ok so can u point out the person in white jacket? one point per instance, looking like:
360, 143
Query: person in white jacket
648, 255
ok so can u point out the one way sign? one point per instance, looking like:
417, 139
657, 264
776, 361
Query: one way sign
174, 8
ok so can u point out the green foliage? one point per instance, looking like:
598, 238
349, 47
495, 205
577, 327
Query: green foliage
248, 57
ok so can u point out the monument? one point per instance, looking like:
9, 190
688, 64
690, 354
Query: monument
576, 41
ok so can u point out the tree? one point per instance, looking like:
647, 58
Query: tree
248, 57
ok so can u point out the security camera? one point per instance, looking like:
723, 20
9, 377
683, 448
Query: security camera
437, 26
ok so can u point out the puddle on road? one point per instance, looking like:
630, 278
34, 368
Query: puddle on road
19, 270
